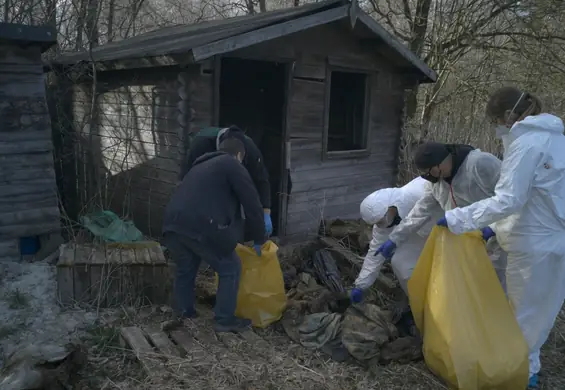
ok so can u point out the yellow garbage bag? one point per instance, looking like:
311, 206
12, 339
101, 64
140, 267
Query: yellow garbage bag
471, 337
261, 297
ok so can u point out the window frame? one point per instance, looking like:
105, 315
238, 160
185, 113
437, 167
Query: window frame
344, 154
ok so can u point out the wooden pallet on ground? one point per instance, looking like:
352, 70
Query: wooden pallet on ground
188, 354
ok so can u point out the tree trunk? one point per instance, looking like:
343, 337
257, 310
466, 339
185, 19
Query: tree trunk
418, 33
250, 7
91, 23
81, 17
6, 11
111, 12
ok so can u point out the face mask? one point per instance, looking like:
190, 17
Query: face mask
387, 221
395, 221
384, 221
430, 178
506, 141
501, 131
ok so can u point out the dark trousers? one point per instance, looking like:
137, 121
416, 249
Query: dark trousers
187, 255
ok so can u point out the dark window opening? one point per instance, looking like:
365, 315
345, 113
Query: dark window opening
347, 127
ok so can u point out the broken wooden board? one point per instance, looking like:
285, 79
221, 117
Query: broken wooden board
355, 231
134, 338
110, 275
383, 282
188, 353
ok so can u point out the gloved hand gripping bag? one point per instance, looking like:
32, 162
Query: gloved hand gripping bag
261, 297
471, 337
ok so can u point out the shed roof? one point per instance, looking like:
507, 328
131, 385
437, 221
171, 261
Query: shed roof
206, 39
43, 36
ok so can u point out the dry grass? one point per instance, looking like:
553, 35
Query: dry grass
113, 367
289, 366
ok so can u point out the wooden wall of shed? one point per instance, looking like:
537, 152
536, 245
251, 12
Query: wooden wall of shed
135, 140
28, 191
137, 160
334, 188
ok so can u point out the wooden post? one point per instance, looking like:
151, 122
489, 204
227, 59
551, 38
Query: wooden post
184, 117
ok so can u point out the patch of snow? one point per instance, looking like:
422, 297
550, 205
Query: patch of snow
29, 312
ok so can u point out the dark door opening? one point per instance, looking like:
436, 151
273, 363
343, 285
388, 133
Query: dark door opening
252, 96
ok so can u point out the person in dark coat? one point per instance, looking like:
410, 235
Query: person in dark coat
199, 224
208, 140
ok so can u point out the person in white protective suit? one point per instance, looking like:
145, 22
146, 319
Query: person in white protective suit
384, 209
531, 188
460, 175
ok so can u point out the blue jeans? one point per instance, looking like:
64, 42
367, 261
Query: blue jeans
188, 255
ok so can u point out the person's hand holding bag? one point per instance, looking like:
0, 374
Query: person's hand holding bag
442, 222
257, 248
488, 233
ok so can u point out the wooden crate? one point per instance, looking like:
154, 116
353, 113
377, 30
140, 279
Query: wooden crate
110, 276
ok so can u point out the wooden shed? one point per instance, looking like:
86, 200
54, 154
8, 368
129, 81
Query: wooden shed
320, 88
29, 208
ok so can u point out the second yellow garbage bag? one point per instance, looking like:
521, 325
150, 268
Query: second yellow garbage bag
471, 337
261, 297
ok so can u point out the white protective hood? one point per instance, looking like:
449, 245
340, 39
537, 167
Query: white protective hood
374, 206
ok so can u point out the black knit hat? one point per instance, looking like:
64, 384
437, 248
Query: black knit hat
430, 154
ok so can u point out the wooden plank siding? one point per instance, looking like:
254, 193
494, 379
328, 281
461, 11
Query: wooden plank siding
28, 193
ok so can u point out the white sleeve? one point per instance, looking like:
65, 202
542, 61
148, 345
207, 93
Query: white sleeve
511, 193
420, 214
372, 264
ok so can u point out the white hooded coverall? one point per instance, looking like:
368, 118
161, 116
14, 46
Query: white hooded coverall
475, 180
373, 208
531, 189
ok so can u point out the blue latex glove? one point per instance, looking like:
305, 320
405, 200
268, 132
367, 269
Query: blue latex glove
442, 222
488, 233
356, 295
257, 248
533, 382
268, 225
386, 249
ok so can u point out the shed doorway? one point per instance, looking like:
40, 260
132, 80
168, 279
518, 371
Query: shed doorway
252, 96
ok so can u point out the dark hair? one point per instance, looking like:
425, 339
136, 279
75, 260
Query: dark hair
430, 154
508, 98
232, 146
233, 132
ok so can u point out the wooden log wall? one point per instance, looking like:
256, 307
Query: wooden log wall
334, 188
28, 191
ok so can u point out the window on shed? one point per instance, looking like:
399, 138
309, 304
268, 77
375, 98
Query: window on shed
347, 126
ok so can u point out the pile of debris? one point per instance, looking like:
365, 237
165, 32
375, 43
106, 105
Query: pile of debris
320, 315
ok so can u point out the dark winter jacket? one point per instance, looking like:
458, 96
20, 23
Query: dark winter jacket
206, 142
208, 201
